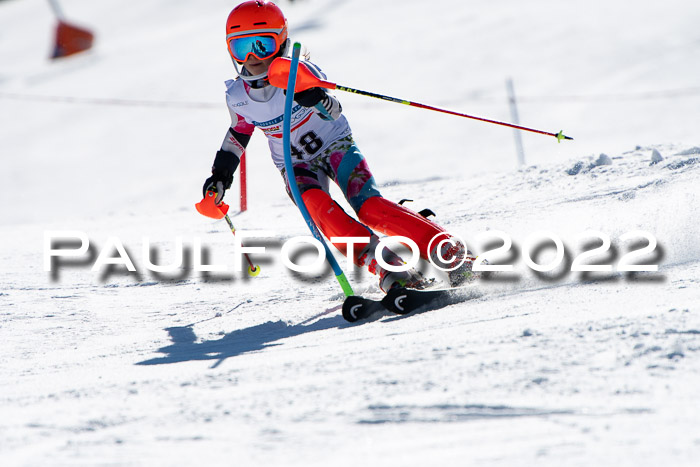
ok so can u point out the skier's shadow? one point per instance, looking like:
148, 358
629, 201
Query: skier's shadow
184, 346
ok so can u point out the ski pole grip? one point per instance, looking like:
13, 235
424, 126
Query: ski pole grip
208, 207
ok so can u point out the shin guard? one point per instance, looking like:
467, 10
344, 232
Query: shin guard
333, 221
392, 219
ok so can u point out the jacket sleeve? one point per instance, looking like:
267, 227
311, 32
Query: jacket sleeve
328, 108
238, 135
233, 147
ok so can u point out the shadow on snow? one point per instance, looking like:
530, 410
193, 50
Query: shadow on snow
184, 346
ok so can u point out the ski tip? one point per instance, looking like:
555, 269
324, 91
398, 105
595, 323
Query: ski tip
356, 308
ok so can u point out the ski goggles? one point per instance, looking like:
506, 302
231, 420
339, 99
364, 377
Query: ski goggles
261, 47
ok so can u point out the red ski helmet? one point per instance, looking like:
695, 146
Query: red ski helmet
255, 27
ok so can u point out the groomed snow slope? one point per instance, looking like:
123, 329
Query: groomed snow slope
110, 368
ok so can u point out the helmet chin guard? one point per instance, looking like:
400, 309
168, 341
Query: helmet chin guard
245, 74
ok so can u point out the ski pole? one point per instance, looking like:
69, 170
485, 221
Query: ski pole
56, 9
253, 270
208, 207
279, 71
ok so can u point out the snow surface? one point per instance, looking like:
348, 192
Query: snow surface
111, 368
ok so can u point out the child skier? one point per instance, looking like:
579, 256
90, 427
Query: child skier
323, 149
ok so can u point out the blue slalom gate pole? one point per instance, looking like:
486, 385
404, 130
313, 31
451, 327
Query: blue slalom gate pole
289, 168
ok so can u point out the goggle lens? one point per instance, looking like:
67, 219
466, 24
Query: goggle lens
261, 46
